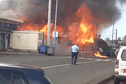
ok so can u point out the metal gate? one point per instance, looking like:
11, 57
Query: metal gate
87, 49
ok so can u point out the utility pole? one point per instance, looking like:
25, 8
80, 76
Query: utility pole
49, 22
54, 40
116, 39
112, 30
116, 34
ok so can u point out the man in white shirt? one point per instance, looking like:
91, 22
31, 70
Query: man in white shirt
74, 50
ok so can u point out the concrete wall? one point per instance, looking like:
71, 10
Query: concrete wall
62, 50
25, 40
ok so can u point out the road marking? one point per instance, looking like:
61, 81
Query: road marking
107, 60
65, 65
90, 58
85, 62
98, 59
56, 66
81, 58
113, 61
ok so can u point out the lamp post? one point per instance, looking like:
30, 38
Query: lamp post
112, 30
49, 22
54, 40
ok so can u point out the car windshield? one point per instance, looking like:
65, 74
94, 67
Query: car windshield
123, 56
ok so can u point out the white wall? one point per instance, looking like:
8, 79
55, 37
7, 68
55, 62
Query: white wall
26, 40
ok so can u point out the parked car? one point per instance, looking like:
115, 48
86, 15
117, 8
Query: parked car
22, 74
120, 67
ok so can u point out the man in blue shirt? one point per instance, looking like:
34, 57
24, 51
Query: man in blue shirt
74, 50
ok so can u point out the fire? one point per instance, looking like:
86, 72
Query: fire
38, 27
84, 30
31, 26
81, 31
59, 29
98, 55
44, 29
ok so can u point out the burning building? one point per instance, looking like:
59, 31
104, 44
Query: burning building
78, 21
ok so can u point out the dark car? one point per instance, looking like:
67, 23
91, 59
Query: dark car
111, 52
22, 74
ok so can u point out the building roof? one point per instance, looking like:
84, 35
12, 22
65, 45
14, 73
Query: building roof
28, 32
11, 21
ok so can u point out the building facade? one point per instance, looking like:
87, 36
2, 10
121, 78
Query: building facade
6, 25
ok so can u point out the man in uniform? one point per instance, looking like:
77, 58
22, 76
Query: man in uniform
74, 50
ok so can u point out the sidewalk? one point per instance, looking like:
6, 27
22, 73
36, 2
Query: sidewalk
26, 52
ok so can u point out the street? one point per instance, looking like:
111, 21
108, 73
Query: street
60, 71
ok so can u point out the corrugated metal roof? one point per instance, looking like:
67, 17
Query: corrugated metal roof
10, 20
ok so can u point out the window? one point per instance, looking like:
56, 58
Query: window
5, 77
37, 77
123, 56
12, 77
19, 78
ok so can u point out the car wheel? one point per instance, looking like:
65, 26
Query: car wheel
116, 81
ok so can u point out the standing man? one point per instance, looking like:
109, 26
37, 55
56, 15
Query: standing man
74, 50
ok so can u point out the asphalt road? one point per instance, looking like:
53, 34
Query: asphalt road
60, 70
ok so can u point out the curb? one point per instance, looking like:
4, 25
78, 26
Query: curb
21, 53
106, 80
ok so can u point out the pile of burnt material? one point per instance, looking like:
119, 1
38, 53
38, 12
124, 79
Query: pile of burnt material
102, 44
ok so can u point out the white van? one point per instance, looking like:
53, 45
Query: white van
120, 67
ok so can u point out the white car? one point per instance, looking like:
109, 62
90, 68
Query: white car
120, 67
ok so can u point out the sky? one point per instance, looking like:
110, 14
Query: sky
120, 25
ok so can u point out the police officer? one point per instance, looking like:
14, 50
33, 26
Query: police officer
74, 50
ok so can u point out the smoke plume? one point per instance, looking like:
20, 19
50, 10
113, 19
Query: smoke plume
37, 11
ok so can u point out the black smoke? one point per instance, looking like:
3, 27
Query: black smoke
37, 11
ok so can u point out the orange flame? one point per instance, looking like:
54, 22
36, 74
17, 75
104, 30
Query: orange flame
98, 55
80, 32
84, 31
58, 29
31, 26
44, 29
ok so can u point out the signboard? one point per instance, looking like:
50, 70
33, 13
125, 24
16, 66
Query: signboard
56, 34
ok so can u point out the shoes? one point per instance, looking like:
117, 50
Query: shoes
74, 63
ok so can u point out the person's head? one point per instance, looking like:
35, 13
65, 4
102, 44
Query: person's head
74, 43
